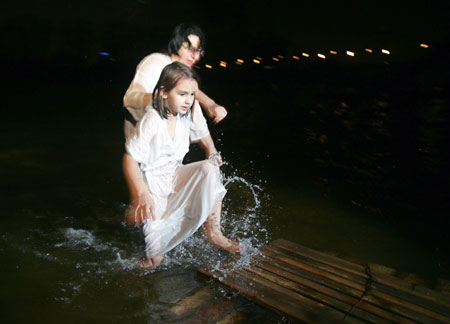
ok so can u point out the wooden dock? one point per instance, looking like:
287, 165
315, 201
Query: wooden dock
309, 286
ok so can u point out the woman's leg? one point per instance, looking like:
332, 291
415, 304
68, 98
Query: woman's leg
213, 230
151, 262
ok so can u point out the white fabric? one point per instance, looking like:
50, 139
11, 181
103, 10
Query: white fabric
184, 195
147, 75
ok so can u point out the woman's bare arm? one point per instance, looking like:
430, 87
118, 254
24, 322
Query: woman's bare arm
207, 144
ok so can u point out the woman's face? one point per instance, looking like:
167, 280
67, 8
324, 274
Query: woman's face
189, 55
181, 97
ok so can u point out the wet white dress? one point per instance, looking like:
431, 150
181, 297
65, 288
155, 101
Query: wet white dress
184, 195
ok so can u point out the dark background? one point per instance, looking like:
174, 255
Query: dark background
77, 30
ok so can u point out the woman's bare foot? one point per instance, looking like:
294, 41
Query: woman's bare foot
214, 233
226, 244
150, 263
235, 247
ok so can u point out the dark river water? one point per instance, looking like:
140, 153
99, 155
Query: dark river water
347, 159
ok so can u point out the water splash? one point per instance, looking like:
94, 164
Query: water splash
106, 247
82, 238
251, 187
243, 220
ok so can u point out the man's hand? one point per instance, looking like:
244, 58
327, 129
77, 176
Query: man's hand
141, 209
217, 113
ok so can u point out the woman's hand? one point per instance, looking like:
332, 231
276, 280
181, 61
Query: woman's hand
216, 158
142, 208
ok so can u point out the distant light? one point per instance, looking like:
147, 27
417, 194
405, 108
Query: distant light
223, 64
321, 56
333, 52
239, 61
424, 45
305, 54
104, 54
256, 61
259, 58
368, 50
280, 56
295, 57
275, 59
384, 51
208, 66
350, 53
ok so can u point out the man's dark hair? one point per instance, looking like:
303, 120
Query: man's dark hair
180, 35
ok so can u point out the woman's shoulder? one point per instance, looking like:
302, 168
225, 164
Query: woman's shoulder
152, 117
150, 123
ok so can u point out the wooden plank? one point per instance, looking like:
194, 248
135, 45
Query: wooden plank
356, 283
376, 298
265, 261
349, 297
439, 302
322, 280
281, 306
317, 307
356, 277
320, 256
315, 287
413, 294
332, 300
402, 297
297, 308
394, 297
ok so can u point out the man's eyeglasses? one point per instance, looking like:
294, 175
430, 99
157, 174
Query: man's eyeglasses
193, 50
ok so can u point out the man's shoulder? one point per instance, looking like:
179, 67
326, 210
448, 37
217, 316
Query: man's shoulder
155, 58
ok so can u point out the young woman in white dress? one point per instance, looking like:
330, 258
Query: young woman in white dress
179, 198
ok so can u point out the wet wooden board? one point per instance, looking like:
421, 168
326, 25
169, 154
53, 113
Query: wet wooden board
309, 286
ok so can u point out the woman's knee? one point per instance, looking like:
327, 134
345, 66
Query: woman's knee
208, 168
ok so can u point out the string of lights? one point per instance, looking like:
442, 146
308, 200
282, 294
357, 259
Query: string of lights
302, 56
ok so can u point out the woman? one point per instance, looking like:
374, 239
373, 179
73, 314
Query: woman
178, 198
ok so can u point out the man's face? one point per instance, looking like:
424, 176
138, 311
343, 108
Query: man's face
189, 55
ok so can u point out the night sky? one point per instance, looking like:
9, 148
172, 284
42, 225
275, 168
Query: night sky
129, 29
